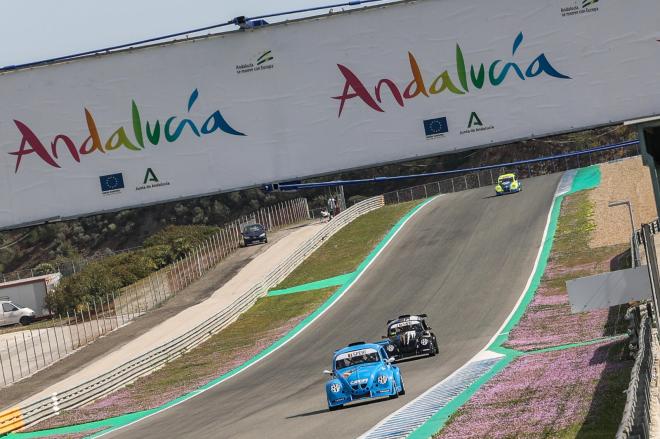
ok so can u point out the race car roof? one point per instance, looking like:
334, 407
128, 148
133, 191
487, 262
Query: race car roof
358, 348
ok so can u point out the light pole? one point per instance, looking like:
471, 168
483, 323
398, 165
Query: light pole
632, 218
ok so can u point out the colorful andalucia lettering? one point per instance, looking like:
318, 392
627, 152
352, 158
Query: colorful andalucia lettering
171, 130
355, 88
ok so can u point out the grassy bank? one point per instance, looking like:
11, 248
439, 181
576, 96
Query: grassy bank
344, 251
260, 326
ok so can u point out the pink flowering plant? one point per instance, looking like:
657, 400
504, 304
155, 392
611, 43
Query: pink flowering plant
551, 390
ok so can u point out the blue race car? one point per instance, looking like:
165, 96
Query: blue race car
362, 370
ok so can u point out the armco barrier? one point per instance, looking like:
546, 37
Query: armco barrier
636, 413
30, 414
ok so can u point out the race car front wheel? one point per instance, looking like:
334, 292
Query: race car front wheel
403, 388
435, 349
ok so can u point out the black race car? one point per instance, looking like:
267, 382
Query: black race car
409, 336
254, 233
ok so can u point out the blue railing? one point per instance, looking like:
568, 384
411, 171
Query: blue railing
284, 186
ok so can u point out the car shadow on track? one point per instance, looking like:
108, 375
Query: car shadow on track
318, 412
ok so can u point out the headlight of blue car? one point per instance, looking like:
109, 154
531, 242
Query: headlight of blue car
263, 235
382, 379
335, 387
424, 341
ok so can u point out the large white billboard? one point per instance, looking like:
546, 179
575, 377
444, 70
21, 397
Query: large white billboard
316, 96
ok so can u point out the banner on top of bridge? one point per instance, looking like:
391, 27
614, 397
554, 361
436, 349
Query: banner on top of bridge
315, 96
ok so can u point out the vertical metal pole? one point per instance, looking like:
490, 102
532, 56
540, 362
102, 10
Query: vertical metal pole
105, 323
137, 299
466, 184
453, 189
96, 314
41, 343
57, 341
652, 264
82, 319
114, 306
27, 358
91, 325
68, 319
397, 197
34, 350
66, 351
2, 366
492, 182
20, 366
11, 366
75, 319
478, 180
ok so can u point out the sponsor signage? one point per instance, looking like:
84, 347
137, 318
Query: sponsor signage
315, 96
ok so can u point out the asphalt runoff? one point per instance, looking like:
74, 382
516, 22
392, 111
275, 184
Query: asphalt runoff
464, 259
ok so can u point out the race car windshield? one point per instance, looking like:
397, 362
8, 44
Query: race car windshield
253, 228
355, 358
401, 328
506, 180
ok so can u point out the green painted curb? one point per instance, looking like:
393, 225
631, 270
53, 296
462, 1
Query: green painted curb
585, 178
124, 420
316, 285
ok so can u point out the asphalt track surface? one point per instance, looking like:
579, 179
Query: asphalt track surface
464, 259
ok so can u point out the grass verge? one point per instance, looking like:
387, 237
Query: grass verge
269, 319
344, 251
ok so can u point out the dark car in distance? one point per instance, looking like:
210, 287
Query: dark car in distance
254, 233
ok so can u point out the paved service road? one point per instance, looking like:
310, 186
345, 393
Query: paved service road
464, 260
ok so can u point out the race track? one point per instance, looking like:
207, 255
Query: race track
463, 259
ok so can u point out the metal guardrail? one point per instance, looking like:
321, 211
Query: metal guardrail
19, 417
635, 422
636, 413
487, 175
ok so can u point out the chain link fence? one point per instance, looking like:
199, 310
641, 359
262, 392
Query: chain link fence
487, 175
25, 352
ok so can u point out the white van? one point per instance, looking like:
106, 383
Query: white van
10, 314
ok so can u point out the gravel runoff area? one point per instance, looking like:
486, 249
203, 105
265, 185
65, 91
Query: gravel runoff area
572, 392
627, 179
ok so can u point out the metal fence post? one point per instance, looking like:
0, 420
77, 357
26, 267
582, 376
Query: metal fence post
2, 366
41, 344
11, 366
27, 358
66, 350
82, 318
34, 350
652, 264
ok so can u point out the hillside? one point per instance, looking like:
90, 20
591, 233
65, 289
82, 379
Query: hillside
95, 235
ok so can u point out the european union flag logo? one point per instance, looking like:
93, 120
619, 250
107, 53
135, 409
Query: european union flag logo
435, 126
112, 182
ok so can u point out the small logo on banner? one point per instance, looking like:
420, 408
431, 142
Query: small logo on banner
262, 61
112, 183
151, 181
475, 125
435, 127
571, 8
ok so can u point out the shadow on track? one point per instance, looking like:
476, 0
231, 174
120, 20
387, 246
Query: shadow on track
357, 404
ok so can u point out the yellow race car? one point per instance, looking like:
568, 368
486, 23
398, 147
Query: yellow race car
507, 184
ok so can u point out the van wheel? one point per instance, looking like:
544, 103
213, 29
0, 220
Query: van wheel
25, 320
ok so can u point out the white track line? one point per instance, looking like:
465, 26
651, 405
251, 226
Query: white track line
195, 393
